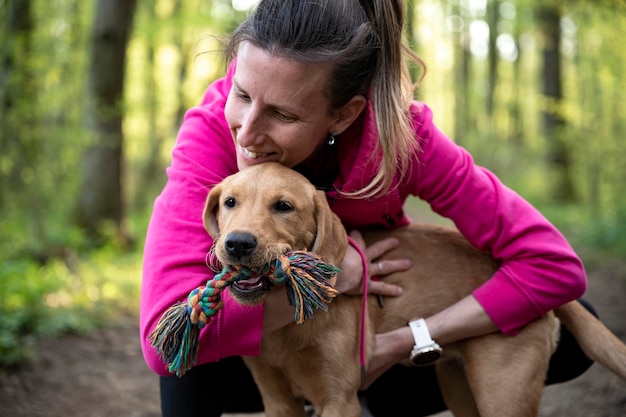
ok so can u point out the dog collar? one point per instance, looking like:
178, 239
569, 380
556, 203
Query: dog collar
426, 350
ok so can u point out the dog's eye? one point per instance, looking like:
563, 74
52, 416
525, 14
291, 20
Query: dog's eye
283, 206
229, 202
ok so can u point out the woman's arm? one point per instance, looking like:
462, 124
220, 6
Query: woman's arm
539, 269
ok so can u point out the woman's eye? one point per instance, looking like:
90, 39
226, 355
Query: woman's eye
230, 202
282, 116
240, 94
283, 206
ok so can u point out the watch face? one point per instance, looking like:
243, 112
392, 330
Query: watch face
426, 357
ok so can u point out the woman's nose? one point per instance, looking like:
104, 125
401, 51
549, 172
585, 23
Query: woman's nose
251, 130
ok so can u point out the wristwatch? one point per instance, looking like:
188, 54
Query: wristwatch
426, 350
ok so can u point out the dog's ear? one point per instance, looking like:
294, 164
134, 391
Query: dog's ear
209, 216
331, 240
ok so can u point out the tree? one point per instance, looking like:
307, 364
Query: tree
18, 137
100, 199
412, 42
462, 75
553, 121
493, 16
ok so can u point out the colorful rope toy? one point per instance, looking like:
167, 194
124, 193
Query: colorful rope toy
306, 275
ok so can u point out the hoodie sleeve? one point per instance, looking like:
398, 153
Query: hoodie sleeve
539, 269
176, 242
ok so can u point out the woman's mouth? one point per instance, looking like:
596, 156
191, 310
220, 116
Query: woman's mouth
251, 154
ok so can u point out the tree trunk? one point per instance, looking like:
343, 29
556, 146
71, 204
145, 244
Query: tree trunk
553, 122
493, 16
101, 198
415, 71
18, 112
152, 168
462, 76
516, 133
179, 42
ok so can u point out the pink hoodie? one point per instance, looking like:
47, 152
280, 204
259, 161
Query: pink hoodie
539, 271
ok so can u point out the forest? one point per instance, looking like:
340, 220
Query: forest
92, 94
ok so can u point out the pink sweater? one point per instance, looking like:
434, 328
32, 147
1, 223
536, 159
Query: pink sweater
539, 271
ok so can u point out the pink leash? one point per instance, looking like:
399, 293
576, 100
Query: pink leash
363, 315
363, 307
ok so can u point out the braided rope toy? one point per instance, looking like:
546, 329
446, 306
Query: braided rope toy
306, 275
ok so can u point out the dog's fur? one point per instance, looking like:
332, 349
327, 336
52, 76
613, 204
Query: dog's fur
268, 209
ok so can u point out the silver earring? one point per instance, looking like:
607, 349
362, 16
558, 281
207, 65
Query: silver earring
332, 138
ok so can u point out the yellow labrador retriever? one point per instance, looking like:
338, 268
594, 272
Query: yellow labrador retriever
268, 209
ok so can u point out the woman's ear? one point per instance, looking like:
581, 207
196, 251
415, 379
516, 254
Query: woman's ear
348, 113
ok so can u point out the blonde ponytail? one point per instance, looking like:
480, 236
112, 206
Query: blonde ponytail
391, 92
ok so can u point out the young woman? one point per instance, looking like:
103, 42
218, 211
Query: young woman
321, 86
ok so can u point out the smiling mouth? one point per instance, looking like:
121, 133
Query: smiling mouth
252, 155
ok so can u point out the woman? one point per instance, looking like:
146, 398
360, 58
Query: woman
321, 86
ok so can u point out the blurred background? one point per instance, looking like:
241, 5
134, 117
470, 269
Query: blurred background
92, 94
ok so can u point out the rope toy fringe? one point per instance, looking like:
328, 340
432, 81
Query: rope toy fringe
306, 275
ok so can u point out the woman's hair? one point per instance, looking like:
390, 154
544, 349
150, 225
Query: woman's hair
363, 42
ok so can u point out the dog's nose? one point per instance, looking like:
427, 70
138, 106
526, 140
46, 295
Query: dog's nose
240, 244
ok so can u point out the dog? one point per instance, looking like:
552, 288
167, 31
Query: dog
268, 209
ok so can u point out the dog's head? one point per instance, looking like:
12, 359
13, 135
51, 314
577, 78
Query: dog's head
264, 211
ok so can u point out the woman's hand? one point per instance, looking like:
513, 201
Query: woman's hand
390, 348
351, 278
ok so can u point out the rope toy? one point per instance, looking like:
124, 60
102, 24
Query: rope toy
306, 275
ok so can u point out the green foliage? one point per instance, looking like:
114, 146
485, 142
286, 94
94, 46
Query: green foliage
52, 280
602, 235
512, 143
55, 282
65, 291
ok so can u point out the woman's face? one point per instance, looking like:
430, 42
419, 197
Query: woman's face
276, 109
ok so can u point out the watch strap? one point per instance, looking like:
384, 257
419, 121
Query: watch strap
421, 335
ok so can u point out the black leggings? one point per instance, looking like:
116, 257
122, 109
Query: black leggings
227, 386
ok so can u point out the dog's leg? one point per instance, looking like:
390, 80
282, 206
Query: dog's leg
454, 389
349, 407
324, 377
275, 389
331, 382
507, 374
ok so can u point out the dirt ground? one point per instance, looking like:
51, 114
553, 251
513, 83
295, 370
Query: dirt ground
103, 374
